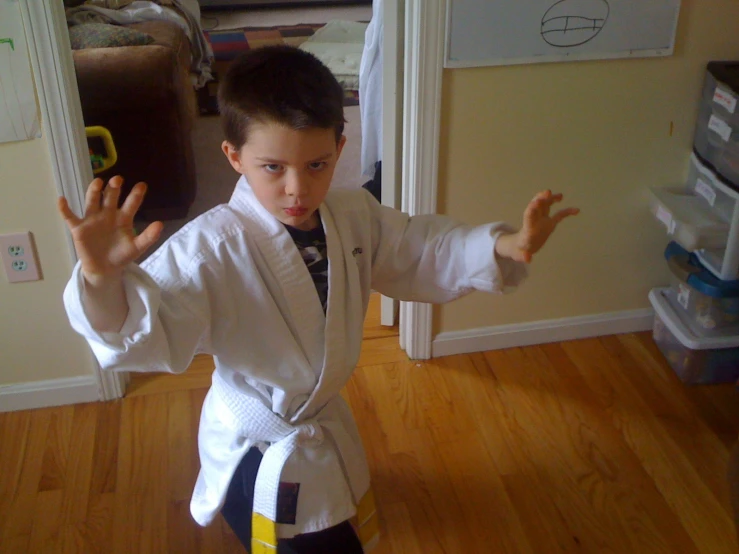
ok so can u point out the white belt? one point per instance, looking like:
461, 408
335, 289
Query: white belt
256, 422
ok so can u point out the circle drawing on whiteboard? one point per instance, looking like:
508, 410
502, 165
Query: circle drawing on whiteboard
570, 23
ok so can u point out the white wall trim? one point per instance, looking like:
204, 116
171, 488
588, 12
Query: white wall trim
540, 332
424, 59
54, 392
61, 115
393, 56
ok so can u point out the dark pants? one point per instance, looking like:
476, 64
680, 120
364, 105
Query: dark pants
237, 512
374, 185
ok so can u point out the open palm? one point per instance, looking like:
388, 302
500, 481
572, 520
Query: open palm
539, 224
104, 238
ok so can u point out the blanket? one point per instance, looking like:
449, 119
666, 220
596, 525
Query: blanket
181, 12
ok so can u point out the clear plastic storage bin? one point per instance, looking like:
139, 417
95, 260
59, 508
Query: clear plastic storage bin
721, 90
711, 189
717, 142
689, 220
722, 199
709, 304
717, 127
695, 360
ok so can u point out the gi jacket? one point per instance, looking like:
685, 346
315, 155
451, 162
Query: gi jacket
233, 284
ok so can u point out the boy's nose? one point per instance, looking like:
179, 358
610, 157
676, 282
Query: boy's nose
297, 185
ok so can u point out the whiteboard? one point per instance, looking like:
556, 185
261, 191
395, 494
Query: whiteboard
506, 32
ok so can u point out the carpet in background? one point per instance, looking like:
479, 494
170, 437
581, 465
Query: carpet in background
227, 45
339, 45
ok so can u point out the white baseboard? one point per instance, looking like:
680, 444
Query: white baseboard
54, 392
540, 332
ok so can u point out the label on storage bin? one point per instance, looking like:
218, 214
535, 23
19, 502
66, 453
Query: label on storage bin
683, 295
666, 217
706, 191
720, 127
725, 98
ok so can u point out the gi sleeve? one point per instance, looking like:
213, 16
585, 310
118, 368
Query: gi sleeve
164, 329
435, 259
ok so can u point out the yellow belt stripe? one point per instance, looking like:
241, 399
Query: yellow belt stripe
366, 524
263, 532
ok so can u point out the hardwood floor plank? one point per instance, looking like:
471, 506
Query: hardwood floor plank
582, 446
383, 350
57, 448
142, 461
105, 452
14, 435
373, 329
181, 442
510, 455
699, 511
445, 525
648, 521
99, 523
576, 455
46, 533
78, 472
668, 398
397, 520
18, 519
140, 523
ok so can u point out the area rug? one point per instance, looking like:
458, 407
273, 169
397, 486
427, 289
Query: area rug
227, 45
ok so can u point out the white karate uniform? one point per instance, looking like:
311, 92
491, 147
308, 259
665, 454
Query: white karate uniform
233, 284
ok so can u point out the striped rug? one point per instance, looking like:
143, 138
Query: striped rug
227, 45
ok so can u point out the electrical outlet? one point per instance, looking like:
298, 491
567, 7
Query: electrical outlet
19, 257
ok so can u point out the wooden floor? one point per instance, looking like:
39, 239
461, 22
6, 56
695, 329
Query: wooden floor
585, 446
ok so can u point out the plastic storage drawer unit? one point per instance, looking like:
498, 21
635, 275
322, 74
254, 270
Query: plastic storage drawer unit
688, 219
695, 360
717, 127
710, 304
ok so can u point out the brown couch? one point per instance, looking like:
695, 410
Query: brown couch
144, 96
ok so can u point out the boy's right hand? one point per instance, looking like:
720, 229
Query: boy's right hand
104, 238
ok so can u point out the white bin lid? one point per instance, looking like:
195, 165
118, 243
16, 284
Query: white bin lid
677, 326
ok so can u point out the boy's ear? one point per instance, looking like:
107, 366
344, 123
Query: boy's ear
340, 146
233, 155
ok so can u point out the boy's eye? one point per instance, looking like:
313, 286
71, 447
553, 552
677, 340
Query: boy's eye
273, 168
317, 165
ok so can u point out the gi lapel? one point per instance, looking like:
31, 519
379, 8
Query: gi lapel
343, 337
305, 318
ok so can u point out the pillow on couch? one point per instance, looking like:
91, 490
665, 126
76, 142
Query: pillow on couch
103, 35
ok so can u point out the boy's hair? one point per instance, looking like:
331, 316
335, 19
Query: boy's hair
279, 84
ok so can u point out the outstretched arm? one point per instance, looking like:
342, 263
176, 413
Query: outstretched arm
106, 243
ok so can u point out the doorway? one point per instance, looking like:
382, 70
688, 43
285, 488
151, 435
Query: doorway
68, 146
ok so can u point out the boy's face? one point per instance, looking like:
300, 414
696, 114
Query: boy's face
289, 170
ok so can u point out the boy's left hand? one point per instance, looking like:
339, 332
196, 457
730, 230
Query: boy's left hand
538, 225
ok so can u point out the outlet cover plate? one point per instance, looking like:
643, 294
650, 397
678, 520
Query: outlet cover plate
19, 257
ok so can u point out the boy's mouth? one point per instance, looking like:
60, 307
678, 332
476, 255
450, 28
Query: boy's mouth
296, 211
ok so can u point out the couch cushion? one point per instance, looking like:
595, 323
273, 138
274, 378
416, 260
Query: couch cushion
165, 33
103, 35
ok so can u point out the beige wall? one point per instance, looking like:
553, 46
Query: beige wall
600, 133
35, 338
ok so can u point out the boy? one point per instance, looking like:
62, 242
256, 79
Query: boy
275, 285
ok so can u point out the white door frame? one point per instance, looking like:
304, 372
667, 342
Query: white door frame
393, 69
425, 22
61, 116
51, 58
